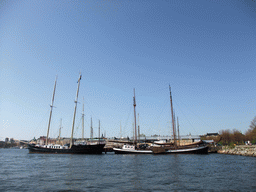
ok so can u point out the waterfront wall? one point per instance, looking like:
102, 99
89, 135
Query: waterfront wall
244, 150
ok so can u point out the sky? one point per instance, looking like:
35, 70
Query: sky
205, 50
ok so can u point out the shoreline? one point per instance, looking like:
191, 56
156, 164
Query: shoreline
243, 150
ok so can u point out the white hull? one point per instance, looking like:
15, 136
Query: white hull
131, 151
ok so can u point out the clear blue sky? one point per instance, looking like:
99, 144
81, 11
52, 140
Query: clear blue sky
204, 49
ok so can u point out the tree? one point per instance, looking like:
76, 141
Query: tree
237, 137
253, 123
225, 137
251, 133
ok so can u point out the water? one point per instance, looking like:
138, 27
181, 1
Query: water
21, 171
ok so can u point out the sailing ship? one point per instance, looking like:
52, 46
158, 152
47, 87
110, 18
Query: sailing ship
172, 148
73, 147
128, 148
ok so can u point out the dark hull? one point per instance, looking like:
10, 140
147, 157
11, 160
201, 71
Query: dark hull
75, 149
197, 150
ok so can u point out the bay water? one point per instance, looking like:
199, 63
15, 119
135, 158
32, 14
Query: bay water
21, 171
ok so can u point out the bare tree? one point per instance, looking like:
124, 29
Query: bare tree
237, 137
225, 136
251, 133
253, 123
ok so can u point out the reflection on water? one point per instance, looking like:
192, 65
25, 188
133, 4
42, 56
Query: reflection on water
21, 171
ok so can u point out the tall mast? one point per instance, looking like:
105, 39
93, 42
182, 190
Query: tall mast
135, 130
83, 121
120, 130
139, 127
175, 126
74, 117
178, 127
99, 131
91, 130
173, 123
60, 129
51, 111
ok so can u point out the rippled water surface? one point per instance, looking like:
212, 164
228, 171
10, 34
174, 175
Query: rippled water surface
21, 171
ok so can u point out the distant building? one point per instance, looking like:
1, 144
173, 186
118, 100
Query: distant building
12, 140
212, 134
42, 140
209, 136
2, 144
